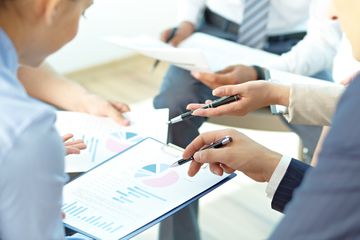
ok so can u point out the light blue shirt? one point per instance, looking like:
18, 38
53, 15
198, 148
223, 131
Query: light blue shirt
31, 159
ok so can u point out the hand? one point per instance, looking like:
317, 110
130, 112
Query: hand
346, 82
253, 95
229, 76
73, 147
96, 105
184, 30
241, 154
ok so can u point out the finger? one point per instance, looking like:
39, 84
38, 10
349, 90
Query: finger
122, 107
216, 169
227, 169
210, 156
73, 142
63, 215
80, 146
67, 137
176, 40
70, 150
228, 109
204, 77
194, 106
202, 140
164, 35
228, 90
194, 168
117, 116
226, 70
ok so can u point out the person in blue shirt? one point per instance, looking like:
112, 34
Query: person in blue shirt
31, 150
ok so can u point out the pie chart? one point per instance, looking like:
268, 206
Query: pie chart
157, 175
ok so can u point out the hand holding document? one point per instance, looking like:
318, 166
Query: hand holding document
105, 138
133, 191
200, 52
205, 53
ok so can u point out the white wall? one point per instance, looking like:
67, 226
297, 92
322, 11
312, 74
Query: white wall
112, 17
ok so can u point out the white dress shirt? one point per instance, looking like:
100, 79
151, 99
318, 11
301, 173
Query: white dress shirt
285, 16
277, 176
317, 50
31, 159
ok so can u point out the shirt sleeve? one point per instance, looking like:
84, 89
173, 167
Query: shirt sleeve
277, 176
304, 110
318, 49
31, 183
190, 10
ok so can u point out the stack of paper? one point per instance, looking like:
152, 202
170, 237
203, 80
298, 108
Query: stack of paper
105, 138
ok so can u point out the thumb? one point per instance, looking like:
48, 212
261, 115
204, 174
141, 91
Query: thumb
209, 156
228, 90
117, 116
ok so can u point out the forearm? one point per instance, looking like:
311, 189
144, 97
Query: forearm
46, 85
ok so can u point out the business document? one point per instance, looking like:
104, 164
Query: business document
133, 191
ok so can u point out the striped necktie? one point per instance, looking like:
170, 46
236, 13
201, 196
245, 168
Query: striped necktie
252, 32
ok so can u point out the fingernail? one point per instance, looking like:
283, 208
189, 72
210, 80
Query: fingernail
215, 172
195, 112
197, 155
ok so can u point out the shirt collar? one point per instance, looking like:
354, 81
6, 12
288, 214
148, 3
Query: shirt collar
8, 54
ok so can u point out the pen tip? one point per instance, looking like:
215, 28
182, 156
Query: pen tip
174, 164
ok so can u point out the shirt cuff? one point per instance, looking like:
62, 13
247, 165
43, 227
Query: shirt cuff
277, 176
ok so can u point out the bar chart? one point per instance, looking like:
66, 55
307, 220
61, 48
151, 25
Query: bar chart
92, 144
84, 215
133, 194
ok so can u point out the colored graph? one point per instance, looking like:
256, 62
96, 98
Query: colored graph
135, 193
92, 144
84, 215
119, 141
157, 175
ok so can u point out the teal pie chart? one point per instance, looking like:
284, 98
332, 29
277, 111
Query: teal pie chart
157, 175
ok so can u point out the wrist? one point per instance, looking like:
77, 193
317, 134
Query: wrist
86, 99
188, 26
279, 94
272, 161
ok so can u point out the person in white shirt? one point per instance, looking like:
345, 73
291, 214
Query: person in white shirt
274, 26
31, 152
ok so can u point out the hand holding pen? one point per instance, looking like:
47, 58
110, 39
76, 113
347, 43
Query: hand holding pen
175, 36
217, 144
167, 37
218, 102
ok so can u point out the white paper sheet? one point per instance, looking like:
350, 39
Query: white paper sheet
105, 138
131, 190
186, 58
220, 53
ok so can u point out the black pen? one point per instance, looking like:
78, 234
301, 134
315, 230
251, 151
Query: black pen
168, 39
217, 144
214, 104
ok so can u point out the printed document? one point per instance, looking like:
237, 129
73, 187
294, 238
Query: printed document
105, 138
133, 191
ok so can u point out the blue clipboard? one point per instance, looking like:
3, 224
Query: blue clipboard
160, 218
